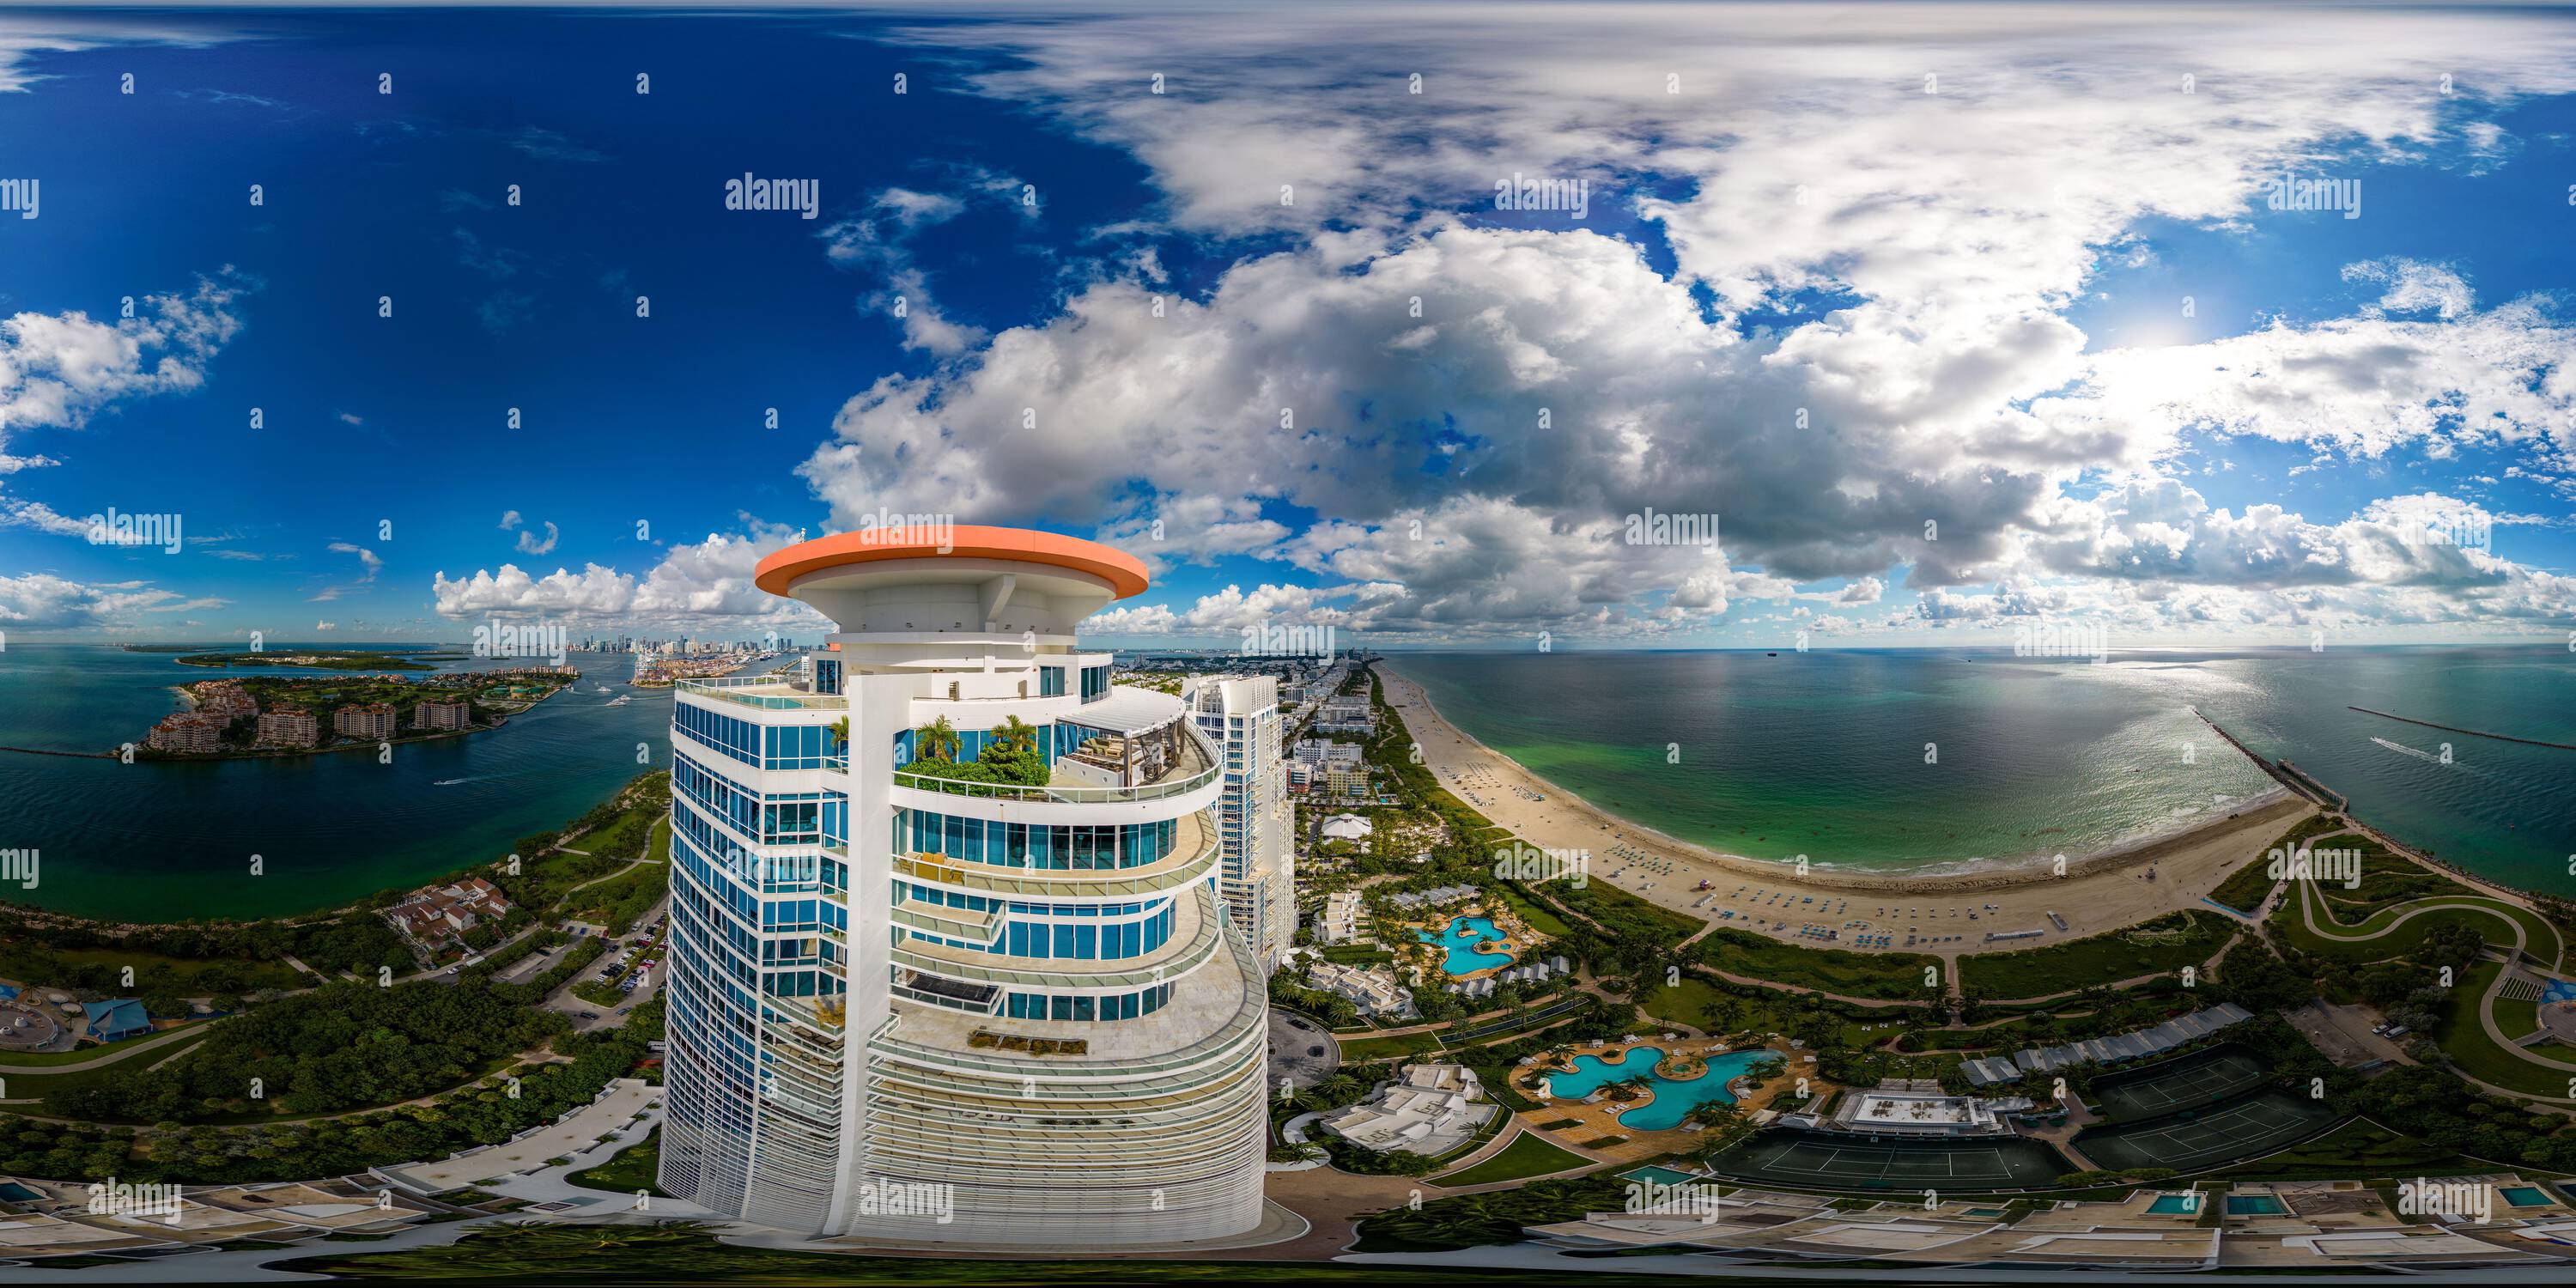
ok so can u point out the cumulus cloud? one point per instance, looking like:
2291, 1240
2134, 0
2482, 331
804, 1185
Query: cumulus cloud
529, 544
58, 370
710, 579
45, 602
1860, 355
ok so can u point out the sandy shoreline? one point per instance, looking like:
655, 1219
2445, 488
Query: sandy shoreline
1945, 913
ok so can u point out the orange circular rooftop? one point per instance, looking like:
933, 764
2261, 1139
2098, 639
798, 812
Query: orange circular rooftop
1124, 572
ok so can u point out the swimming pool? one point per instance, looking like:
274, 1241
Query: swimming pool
2555, 990
2256, 1205
1659, 1175
1673, 1100
2525, 1196
2175, 1204
1461, 939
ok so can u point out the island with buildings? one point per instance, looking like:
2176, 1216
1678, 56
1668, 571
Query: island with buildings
300, 715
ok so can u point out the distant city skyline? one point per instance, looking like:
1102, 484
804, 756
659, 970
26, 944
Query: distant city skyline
1867, 326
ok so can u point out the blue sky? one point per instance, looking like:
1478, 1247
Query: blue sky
1952, 322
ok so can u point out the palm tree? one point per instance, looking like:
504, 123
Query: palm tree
1015, 736
936, 740
840, 731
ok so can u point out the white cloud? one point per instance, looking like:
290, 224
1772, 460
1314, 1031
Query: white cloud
58, 370
530, 545
711, 579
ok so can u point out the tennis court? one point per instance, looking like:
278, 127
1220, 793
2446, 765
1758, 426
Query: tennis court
2201, 1078
1838, 1161
2195, 1141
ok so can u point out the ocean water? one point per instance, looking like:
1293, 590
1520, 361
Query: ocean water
1825, 753
164, 842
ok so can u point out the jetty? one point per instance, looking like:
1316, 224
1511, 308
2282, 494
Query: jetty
2474, 733
2288, 775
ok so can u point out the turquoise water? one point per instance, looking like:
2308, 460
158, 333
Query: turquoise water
1461, 939
1673, 1100
1823, 753
2175, 1204
2524, 1196
1659, 1175
2256, 1205
164, 842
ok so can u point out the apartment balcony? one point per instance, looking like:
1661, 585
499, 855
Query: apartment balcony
1174, 761
765, 692
1194, 849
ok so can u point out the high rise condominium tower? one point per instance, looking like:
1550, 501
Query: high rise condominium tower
951, 912
1241, 717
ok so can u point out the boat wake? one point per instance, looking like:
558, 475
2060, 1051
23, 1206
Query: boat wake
2425, 756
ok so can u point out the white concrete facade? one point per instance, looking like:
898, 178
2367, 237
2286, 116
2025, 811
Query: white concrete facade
919, 1010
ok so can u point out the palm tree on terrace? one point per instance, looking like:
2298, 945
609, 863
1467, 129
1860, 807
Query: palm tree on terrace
936, 740
1015, 736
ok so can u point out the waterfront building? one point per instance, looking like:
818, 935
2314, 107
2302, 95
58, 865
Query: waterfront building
289, 727
1351, 714
374, 720
885, 979
434, 915
1240, 715
442, 714
188, 732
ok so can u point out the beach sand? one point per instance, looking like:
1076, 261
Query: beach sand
2097, 893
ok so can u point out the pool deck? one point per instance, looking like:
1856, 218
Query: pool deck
1599, 1120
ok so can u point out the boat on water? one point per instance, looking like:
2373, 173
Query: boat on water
621, 699
603, 688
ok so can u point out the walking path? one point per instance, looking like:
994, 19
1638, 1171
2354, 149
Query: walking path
2328, 927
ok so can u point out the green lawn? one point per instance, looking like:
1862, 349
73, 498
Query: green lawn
1540, 919
2340, 940
1893, 976
1528, 1155
2159, 947
636, 1167
2245, 888
1684, 1003
2465, 1041
1362, 1050
44, 967
36, 1083
2517, 1015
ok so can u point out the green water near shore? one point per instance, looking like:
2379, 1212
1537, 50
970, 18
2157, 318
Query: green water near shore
1825, 753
